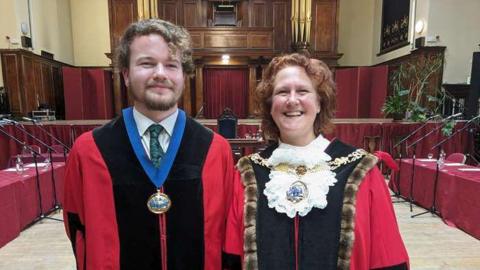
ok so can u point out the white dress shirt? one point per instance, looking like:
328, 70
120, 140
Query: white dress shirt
143, 123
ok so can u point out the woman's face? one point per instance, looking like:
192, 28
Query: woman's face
295, 104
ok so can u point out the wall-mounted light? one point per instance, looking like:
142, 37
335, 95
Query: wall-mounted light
225, 58
419, 26
24, 28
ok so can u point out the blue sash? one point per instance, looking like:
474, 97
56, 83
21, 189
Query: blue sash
156, 175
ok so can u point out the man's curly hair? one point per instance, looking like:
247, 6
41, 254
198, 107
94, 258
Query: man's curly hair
176, 37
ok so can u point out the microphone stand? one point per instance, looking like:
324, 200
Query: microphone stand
65, 147
433, 208
414, 145
397, 184
37, 174
50, 149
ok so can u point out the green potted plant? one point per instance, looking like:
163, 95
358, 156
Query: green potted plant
396, 105
413, 95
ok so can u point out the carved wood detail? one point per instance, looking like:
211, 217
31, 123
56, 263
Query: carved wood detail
263, 30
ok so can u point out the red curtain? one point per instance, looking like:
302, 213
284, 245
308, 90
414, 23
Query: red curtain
225, 88
88, 93
361, 91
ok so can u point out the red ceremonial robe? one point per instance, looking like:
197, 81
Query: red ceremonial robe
106, 191
357, 230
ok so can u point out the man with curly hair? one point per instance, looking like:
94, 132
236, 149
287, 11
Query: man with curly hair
151, 188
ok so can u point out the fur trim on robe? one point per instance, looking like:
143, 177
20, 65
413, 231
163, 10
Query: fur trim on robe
250, 262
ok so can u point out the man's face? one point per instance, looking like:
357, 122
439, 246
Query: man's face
155, 76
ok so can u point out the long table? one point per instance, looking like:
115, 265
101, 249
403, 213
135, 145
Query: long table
457, 199
19, 197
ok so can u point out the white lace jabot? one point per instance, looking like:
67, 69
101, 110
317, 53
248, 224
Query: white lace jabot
300, 178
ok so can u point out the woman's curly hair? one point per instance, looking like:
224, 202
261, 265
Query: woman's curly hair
322, 79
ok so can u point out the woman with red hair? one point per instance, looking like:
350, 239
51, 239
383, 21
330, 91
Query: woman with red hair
306, 202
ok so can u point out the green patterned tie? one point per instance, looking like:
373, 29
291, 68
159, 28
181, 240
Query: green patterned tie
156, 151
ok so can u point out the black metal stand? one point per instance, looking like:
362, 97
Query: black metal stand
397, 194
433, 208
410, 193
414, 145
35, 155
50, 149
65, 147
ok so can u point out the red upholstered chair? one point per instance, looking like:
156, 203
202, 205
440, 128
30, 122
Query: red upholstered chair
456, 157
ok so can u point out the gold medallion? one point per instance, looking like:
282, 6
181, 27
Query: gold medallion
159, 203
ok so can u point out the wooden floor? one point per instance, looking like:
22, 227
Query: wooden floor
431, 245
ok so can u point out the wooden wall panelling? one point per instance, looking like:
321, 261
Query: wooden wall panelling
37, 93
227, 39
12, 71
30, 81
264, 30
324, 26
259, 41
258, 11
245, 15
47, 82
44, 97
190, 17
170, 11
195, 13
121, 14
58, 92
197, 40
232, 38
281, 26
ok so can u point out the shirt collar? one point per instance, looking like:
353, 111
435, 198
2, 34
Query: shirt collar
143, 122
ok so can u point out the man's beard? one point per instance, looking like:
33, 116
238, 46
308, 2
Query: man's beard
152, 100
